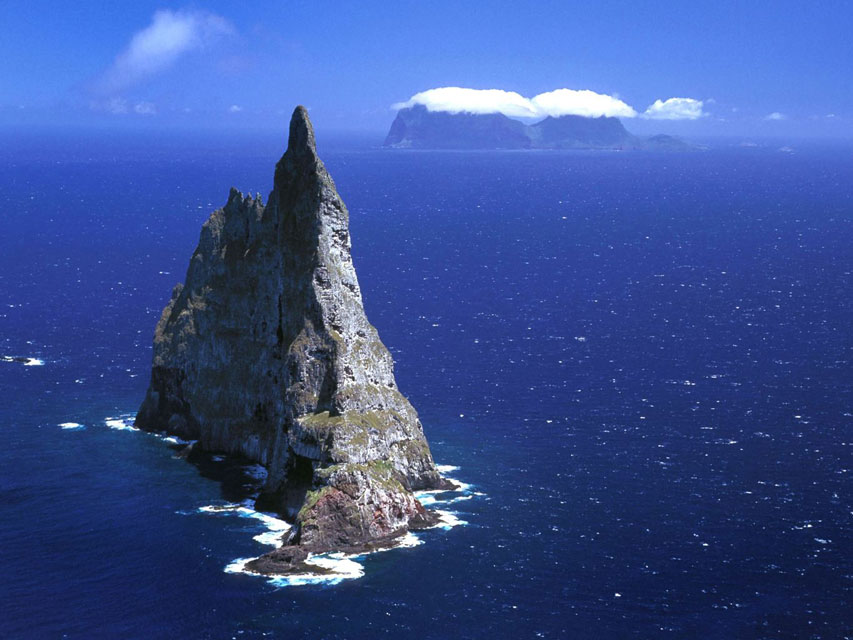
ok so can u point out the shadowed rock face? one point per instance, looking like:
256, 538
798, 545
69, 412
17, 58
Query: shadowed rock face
266, 351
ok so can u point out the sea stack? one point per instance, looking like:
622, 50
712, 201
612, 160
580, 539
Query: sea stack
266, 351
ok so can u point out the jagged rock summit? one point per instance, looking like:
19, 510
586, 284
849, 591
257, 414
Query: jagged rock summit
266, 351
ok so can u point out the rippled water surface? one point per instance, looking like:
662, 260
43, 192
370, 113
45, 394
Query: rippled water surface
640, 363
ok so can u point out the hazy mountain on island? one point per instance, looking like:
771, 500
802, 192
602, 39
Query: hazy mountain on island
579, 132
419, 128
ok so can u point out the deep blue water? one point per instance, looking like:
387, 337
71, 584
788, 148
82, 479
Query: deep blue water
643, 361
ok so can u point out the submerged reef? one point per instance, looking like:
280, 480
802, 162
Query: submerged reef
265, 351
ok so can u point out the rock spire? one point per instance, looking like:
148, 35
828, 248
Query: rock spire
265, 351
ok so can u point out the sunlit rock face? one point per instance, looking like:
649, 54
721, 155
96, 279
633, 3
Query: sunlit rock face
266, 351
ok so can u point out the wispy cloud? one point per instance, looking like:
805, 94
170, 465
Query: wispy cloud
116, 106
145, 108
120, 106
171, 35
675, 109
775, 116
235, 108
560, 102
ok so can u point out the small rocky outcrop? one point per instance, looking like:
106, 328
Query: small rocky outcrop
265, 351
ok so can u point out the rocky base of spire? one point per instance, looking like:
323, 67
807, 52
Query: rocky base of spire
350, 508
338, 533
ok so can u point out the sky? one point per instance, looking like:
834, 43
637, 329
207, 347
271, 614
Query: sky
687, 68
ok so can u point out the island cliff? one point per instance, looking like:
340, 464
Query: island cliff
266, 351
419, 128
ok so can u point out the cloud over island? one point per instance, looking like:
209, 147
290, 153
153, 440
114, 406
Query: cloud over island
559, 102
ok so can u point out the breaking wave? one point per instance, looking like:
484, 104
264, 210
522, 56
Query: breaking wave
24, 360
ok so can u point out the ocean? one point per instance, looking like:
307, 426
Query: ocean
639, 363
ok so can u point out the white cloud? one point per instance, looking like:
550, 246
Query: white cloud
113, 105
145, 108
775, 116
119, 106
553, 103
559, 102
458, 99
675, 109
158, 46
588, 103
235, 108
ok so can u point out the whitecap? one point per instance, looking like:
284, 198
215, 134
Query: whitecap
463, 487
239, 566
448, 520
271, 538
219, 508
71, 425
26, 361
408, 541
276, 527
121, 423
429, 500
426, 499
446, 468
459, 487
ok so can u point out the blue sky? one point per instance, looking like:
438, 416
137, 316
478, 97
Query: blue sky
243, 65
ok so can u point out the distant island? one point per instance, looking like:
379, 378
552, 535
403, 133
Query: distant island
265, 351
417, 127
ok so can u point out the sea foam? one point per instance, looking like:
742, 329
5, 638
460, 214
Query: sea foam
26, 361
121, 423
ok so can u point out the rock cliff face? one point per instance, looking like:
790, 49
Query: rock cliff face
266, 351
